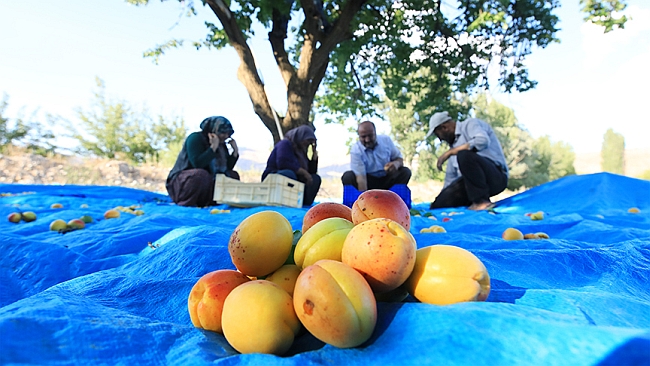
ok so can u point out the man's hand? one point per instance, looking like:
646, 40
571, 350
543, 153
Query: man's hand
449, 153
442, 159
390, 167
362, 183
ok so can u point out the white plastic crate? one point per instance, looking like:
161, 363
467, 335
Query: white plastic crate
276, 190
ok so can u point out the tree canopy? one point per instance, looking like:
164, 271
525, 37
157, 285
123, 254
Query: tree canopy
531, 161
334, 55
29, 132
9, 133
613, 152
116, 129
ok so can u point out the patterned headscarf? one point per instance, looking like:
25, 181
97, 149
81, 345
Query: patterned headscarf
216, 123
296, 136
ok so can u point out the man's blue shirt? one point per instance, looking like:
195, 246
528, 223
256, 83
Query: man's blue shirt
371, 161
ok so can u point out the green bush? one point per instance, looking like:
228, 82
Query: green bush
115, 129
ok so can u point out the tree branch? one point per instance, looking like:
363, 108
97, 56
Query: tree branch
316, 76
277, 35
312, 16
356, 77
341, 29
247, 71
339, 32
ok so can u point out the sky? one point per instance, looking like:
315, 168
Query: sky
52, 50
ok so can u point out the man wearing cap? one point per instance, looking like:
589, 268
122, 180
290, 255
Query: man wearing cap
476, 166
204, 154
375, 161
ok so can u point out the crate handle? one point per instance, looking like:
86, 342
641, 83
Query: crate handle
290, 184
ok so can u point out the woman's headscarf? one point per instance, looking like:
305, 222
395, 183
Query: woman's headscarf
218, 124
296, 136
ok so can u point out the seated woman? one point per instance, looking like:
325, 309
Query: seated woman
204, 154
289, 158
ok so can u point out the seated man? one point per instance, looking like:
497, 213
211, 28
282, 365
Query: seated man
375, 161
476, 169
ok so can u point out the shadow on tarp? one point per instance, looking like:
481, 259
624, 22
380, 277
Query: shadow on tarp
503, 292
635, 352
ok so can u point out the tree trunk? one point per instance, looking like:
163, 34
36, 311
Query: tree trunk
302, 83
247, 71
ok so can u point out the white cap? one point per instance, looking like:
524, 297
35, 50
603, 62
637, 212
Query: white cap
436, 120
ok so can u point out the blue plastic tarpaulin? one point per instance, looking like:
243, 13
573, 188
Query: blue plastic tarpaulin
116, 292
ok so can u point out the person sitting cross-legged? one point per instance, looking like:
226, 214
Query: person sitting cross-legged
204, 154
375, 161
289, 158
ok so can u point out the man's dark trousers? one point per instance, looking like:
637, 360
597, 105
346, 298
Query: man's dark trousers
481, 179
401, 176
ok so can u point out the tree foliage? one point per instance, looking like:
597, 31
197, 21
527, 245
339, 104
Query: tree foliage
613, 152
531, 161
115, 129
352, 46
605, 13
9, 132
409, 128
28, 133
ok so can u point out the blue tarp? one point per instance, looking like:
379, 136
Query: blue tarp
102, 295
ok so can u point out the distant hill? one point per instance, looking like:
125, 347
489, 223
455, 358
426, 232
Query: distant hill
256, 160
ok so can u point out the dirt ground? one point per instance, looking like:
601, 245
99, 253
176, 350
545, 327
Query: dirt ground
19, 166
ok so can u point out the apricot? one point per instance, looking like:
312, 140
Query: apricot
205, 302
445, 274
258, 317
379, 203
512, 234
261, 243
433, 229
323, 241
633, 210
112, 214
323, 211
382, 250
285, 277
76, 224
542, 235
56, 205
14, 217
58, 225
335, 303
29, 216
539, 215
